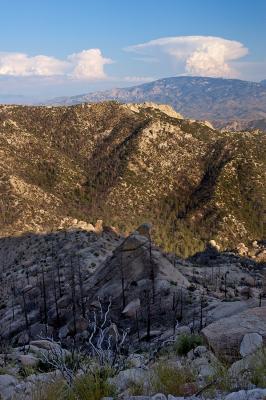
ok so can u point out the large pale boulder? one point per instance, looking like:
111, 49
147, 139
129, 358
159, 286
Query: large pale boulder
28, 360
126, 378
225, 335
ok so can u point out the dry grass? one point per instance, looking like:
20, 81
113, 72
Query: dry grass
86, 387
169, 379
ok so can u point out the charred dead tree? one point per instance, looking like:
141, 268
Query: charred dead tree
57, 265
152, 273
25, 313
137, 325
81, 289
201, 311
55, 297
147, 297
122, 279
44, 296
174, 309
73, 295
180, 318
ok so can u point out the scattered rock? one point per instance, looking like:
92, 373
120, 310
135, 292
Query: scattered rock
130, 376
159, 396
254, 394
250, 343
131, 308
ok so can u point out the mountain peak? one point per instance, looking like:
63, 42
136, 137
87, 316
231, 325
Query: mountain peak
213, 99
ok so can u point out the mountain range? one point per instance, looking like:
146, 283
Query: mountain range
126, 164
224, 102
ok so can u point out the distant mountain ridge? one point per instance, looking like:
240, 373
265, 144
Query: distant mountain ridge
218, 100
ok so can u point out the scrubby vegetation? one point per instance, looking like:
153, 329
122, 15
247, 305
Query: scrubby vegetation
174, 380
258, 375
105, 161
91, 386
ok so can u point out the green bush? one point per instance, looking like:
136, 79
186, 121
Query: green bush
185, 343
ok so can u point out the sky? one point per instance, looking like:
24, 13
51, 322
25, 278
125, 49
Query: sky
67, 47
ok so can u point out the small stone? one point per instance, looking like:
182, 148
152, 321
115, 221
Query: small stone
131, 308
63, 332
171, 397
159, 396
145, 229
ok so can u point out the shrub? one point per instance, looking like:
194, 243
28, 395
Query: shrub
138, 389
258, 370
185, 343
27, 371
57, 390
221, 380
93, 386
169, 379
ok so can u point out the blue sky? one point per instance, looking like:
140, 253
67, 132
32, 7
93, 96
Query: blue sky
52, 48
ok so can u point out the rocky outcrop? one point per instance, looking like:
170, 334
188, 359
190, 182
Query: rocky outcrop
137, 266
7, 386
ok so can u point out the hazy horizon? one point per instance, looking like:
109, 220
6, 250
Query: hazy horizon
64, 49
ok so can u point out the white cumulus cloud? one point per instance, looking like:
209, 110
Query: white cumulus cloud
201, 55
19, 64
86, 65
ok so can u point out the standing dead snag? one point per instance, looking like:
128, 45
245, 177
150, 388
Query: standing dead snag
73, 295
201, 311
27, 324
55, 297
55, 357
82, 302
57, 266
122, 279
152, 274
105, 342
147, 299
225, 284
44, 296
